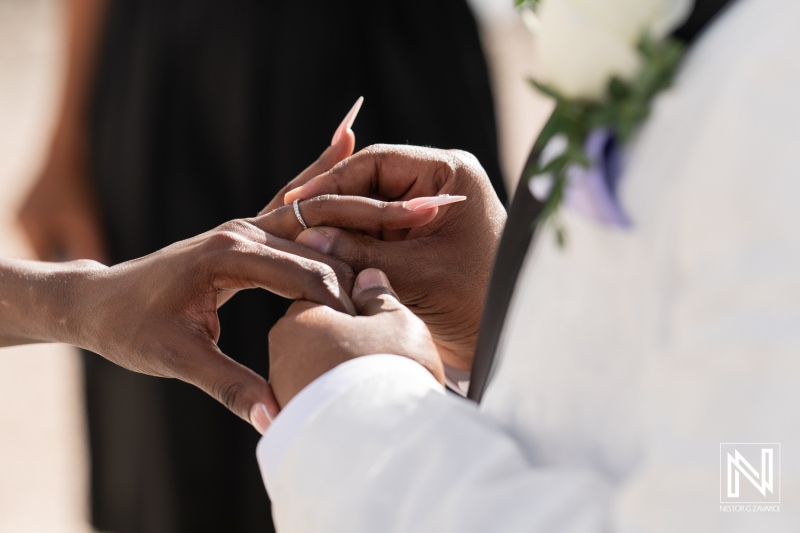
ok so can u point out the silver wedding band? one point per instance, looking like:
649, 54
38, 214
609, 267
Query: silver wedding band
296, 205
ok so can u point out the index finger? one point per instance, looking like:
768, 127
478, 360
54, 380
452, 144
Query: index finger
351, 212
384, 171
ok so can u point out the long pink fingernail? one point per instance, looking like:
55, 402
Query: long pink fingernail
429, 202
260, 418
348, 121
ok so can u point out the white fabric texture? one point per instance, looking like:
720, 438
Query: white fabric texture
302, 408
627, 358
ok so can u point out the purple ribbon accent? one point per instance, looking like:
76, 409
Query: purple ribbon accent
592, 192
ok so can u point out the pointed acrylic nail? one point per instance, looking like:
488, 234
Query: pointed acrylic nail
429, 202
347, 123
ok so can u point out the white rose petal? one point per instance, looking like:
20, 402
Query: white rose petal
674, 14
582, 44
578, 55
631, 18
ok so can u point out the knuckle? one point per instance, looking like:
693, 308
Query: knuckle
385, 215
377, 149
227, 392
238, 226
322, 199
322, 276
467, 162
445, 170
465, 158
321, 279
225, 239
316, 207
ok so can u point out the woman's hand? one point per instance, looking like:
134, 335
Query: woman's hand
312, 339
439, 270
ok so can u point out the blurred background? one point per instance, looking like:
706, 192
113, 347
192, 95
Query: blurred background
44, 450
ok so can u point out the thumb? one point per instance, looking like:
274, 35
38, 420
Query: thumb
373, 294
235, 386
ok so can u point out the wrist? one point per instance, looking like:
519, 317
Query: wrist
42, 301
68, 304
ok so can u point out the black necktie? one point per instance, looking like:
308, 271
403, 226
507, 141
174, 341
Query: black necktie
519, 233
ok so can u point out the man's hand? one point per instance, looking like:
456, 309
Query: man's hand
312, 339
439, 270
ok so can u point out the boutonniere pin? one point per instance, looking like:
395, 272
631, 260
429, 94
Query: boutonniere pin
603, 62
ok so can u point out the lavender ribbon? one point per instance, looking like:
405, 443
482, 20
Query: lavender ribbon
590, 192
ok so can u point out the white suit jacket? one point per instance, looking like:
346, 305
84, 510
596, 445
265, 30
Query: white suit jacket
627, 357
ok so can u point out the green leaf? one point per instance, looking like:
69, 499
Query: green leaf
618, 89
628, 105
561, 236
555, 165
544, 89
575, 154
603, 117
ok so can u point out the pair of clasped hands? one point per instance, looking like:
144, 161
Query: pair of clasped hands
376, 214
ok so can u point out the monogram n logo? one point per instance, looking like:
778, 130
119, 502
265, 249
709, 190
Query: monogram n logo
741, 481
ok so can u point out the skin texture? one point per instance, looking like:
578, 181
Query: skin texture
312, 339
440, 270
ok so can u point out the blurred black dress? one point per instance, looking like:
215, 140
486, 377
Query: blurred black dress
201, 111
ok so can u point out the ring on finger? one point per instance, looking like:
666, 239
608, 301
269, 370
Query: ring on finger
296, 206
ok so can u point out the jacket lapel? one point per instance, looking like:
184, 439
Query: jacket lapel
517, 238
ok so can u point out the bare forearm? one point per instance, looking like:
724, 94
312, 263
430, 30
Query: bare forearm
43, 302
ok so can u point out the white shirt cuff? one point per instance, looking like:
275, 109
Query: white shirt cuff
308, 402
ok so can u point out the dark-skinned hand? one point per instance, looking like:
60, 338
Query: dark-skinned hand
440, 270
312, 339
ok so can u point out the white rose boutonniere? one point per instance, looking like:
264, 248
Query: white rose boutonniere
603, 61
582, 44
